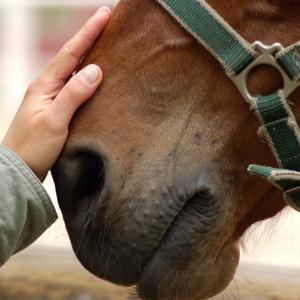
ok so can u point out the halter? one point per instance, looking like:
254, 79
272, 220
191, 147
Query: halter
239, 58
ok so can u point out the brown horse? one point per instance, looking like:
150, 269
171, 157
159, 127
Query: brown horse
152, 182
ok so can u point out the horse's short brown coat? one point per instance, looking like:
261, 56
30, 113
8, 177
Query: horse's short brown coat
170, 124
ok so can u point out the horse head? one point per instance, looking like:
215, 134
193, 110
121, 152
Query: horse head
152, 182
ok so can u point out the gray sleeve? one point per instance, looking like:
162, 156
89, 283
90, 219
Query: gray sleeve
26, 210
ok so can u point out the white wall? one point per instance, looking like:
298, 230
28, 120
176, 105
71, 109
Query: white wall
17, 46
16, 60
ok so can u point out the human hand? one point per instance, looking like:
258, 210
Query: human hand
40, 128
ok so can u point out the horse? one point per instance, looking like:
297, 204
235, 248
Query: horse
153, 182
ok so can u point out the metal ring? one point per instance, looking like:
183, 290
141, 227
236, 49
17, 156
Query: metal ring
266, 57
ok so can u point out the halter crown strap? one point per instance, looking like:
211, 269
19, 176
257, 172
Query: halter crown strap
226, 45
238, 58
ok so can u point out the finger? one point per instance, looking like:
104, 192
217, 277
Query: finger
78, 90
66, 61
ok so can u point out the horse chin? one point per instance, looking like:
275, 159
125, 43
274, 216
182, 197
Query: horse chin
176, 270
195, 278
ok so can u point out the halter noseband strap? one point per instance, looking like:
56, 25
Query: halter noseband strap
238, 58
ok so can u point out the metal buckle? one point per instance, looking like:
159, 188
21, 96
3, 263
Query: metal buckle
266, 57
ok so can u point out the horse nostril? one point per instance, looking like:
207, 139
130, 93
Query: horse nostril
79, 176
90, 174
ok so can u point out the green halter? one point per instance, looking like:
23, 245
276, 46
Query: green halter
238, 58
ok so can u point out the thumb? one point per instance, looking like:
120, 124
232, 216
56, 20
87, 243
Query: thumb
76, 91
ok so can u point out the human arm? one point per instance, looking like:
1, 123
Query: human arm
37, 136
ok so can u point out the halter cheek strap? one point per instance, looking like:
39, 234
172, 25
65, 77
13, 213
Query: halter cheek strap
238, 58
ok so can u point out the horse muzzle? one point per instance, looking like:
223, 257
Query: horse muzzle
135, 231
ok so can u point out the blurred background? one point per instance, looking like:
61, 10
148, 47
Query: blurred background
31, 32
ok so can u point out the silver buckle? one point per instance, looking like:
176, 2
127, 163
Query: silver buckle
266, 57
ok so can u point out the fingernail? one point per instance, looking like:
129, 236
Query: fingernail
90, 74
103, 10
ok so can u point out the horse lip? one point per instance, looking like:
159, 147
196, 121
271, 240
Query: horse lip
178, 244
203, 195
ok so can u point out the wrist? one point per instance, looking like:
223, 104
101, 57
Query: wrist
20, 152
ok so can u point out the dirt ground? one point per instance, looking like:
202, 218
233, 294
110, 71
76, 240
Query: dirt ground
54, 274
